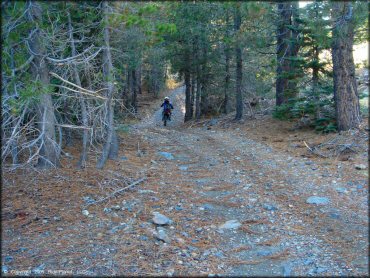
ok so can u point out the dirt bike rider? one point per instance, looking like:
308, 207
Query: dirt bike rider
167, 107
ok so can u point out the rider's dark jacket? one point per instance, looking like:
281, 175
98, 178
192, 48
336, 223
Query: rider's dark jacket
166, 105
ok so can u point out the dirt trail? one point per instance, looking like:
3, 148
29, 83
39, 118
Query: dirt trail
231, 177
200, 178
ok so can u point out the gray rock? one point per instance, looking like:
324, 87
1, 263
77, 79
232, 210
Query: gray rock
88, 200
160, 219
287, 270
116, 207
185, 234
213, 122
162, 235
145, 191
231, 224
208, 207
183, 168
123, 158
219, 254
85, 212
166, 155
117, 228
107, 210
319, 270
143, 237
264, 253
8, 259
308, 261
360, 166
317, 200
269, 207
340, 190
178, 208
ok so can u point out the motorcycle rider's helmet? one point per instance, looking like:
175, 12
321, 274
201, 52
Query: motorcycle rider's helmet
166, 99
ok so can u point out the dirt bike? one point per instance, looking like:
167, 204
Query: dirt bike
166, 117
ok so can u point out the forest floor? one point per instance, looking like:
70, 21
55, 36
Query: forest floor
258, 173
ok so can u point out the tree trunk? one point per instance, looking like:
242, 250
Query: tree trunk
198, 96
292, 90
134, 90
188, 115
14, 145
193, 83
346, 98
138, 80
204, 75
239, 65
49, 151
83, 157
282, 51
109, 146
315, 81
227, 82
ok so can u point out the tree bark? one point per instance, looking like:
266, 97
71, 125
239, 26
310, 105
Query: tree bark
227, 81
49, 151
188, 115
134, 90
282, 51
109, 147
83, 157
346, 97
192, 98
294, 46
239, 65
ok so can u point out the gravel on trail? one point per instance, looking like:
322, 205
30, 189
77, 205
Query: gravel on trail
215, 202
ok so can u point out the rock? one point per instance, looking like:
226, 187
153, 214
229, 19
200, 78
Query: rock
117, 228
8, 259
317, 200
264, 253
171, 272
88, 200
213, 122
287, 270
146, 191
319, 270
123, 158
143, 237
107, 210
340, 190
308, 261
269, 207
85, 212
160, 219
57, 218
231, 224
162, 235
178, 208
360, 166
116, 207
183, 168
167, 155
219, 254
208, 207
